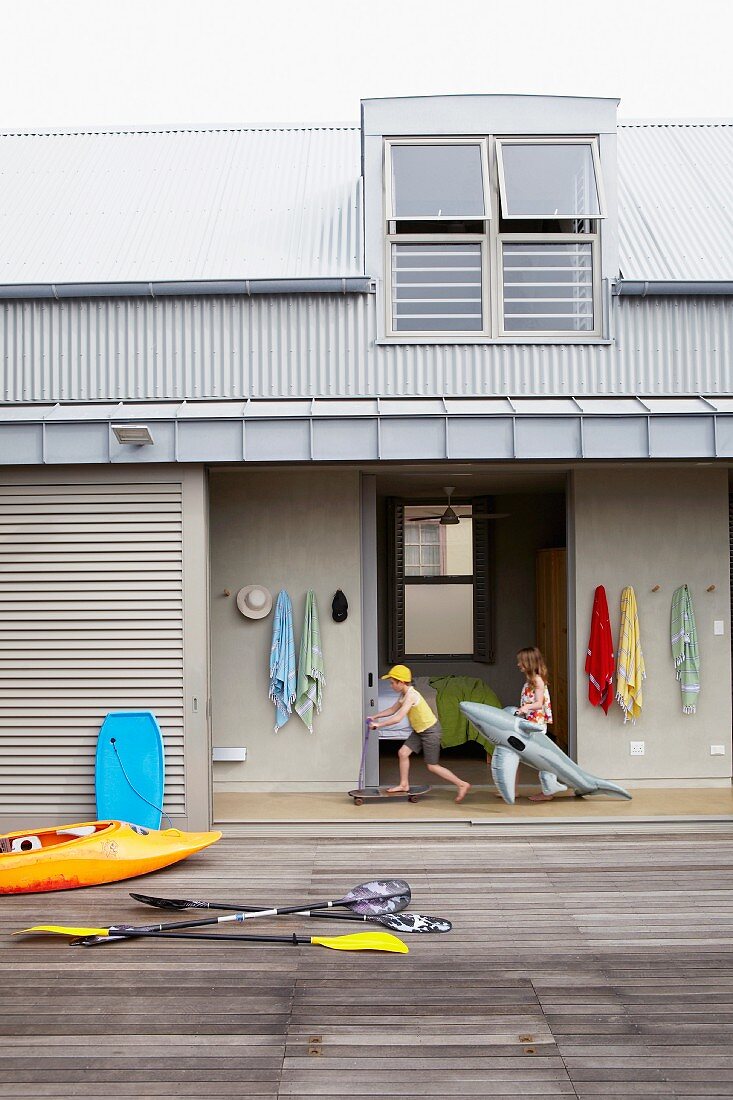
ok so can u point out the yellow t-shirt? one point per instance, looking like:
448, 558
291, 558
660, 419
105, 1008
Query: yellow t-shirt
420, 716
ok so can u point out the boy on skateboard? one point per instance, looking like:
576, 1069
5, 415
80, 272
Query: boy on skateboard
425, 736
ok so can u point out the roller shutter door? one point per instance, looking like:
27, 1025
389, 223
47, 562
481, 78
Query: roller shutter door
91, 620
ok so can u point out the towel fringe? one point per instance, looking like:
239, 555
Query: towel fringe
628, 716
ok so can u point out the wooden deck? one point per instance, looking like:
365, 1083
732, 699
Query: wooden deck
580, 965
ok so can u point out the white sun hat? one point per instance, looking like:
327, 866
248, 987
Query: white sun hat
254, 601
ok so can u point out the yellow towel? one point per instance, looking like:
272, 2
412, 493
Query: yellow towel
630, 669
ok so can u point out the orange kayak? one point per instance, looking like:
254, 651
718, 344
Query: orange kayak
90, 853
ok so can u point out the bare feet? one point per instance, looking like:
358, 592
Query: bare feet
541, 797
463, 791
397, 790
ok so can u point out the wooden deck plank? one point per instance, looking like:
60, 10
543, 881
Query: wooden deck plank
580, 965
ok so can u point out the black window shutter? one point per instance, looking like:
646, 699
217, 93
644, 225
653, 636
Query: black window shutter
483, 572
396, 575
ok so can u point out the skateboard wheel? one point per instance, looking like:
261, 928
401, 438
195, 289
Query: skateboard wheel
413, 798
358, 801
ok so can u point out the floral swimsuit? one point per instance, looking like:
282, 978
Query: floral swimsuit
543, 715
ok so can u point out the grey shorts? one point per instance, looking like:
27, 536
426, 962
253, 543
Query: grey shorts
427, 742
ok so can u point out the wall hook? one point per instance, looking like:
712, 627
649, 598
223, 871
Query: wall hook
656, 588
710, 588
227, 592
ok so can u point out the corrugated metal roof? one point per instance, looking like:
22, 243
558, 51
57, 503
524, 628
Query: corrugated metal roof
194, 204
675, 205
286, 203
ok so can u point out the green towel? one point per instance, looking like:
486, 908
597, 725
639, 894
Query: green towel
309, 691
452, 690
684, 648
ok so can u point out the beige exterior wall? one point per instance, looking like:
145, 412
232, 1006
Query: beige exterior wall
643, 528
292, 529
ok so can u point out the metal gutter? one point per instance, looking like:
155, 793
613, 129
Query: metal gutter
651, 288
187, 288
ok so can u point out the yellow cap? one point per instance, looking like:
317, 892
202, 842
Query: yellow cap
399, 672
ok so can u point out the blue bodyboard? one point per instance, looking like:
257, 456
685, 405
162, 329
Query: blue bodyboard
130, 759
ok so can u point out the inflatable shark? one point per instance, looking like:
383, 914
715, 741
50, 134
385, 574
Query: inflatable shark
513, 739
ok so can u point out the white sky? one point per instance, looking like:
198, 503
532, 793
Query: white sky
67, 63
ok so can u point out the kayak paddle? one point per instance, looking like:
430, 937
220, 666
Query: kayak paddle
400, 922
367, 899
381, 894
90, 937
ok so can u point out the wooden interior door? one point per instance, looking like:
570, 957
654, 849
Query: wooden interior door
552, 633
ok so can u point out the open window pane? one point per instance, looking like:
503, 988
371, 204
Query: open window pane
548, 181
548, 287
437, 181
436, 288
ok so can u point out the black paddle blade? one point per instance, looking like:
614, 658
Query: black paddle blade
178, 903
415, 922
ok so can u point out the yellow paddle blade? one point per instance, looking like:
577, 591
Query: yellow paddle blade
62, 930
363, 941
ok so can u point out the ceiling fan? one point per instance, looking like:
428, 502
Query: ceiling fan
449, 517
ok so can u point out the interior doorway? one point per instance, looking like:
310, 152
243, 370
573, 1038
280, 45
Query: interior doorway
471, 567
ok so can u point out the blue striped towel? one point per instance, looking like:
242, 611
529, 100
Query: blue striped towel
282, 661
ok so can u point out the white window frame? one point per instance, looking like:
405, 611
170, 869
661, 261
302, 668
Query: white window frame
439, 335
392, 238
595, 153
483, 145
562, 335
491, 242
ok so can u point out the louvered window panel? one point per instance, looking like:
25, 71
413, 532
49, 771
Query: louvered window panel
437, 287
91, 620
548, 287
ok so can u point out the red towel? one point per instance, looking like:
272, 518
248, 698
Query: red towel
599, 661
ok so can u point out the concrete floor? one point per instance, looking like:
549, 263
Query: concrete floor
481, 805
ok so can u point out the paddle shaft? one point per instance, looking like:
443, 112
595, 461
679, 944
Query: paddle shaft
238, 918
297, 913
258, 910
89, 941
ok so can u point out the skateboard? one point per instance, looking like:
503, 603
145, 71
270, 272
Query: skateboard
379, 794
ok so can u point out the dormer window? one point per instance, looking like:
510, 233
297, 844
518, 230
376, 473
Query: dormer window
438, 182
533, 268
556, 180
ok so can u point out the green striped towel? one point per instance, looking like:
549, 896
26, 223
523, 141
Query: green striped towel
684, 648
311, 678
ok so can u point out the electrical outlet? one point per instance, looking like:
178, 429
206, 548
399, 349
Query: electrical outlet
718, 627
717, 750
636, 748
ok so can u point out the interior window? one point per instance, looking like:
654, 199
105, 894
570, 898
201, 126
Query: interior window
440, 590
438, 582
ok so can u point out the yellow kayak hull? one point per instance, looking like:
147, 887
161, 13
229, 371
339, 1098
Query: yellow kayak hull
90, 853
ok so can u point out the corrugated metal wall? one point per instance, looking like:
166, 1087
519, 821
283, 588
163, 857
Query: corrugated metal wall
324, 346
91, 620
